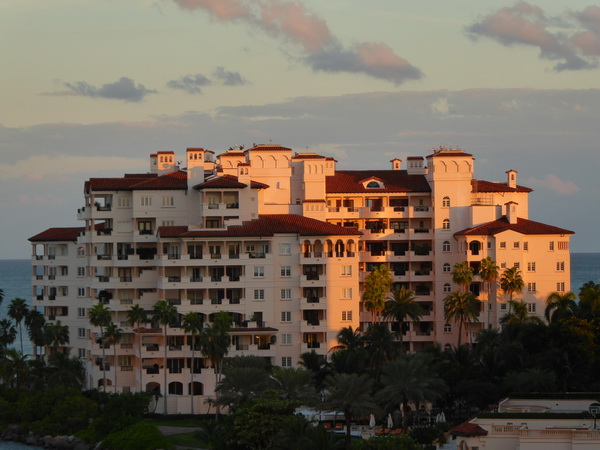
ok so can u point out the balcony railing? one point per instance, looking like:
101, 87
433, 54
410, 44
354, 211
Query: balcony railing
254, 255
174, 279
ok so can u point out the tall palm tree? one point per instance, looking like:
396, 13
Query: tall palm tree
164, 313
100, 317
376, 288
401, 306
1, 296
461, 307
65, 370
56, 334
136, 316
113, 335
517, 317
18, 310
35, 322
350, 393
295, 383
560, 306
489, 271
511, 282
14, 368
192, 323
8, 334
462, 275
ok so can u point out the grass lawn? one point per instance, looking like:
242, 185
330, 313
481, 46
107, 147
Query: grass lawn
186, 440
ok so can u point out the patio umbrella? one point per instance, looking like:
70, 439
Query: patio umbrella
390, 422
442, 417
371, 421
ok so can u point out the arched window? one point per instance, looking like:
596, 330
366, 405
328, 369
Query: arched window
446, 202
447, 267
447, 287
176, 388
446, 246
446, 224
373, 185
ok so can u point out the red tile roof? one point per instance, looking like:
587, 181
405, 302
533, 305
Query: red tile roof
468, 429
266, 225
58, 234
130, 182
228, 182
440, 153
349, 181
301, 156
522, 226
488, 186
269, 148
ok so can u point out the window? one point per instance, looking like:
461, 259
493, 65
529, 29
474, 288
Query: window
286, 294
447, 268
503, 265
286, 361
531, 287
286, 316
146, 201
489, 244
560, 286
551, 246
502, 244
346, 293
346, 316
446, 202
81, 271
123, 202
563, 245
531, 267
447, 287
80, 251
346, 270
446, 224
168, 202
259, 294
446, 246
259, 271
516, 245
168, 223
531, 307
81, 332
560, 266
517, 265
81, 352
286, 271
525, 245
447, 328
285, 249
80, 312
286, 339
503, 306
80, 292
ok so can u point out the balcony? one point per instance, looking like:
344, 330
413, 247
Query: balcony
103, 257
174, 279
256, 255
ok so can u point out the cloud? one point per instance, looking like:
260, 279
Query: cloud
292, 22
526, 24
123, 89
229, 78
555, 184
192, 84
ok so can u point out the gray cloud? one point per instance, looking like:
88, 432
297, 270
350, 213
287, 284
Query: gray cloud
229, 78
192, 84
526, 24
124, 89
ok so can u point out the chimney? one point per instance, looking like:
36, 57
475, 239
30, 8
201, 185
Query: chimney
511, 178
396, 164
166, 162
195, 166
153, 163
511, 212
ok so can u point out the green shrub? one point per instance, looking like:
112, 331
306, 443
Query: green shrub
141, 436
398, 442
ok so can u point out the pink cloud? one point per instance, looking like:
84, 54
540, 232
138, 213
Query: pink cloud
555, 184
221, 9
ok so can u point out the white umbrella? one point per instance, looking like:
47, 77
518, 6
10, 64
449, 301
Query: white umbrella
390, 422
371, 421
442, 417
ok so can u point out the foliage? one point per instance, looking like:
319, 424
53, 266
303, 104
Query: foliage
402, 306
462, 275
140, 436
461, 307
397, 442
376, 287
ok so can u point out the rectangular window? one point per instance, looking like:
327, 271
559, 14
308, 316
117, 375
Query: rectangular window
259, 271
285, 249
531, 287
530, 267
347, 270
516, 245
286, 316
563, 245
551, 246
168, 201
526, 246
168, 223
503, 265
80, 292
517, 265
560, 286
81, 332
489, 244
286, 271
502, 244
81, 352
146, 201
346, 316
560, 266
81, 271
503, 306
123, 202
286, 361
259, 294
447, 328
346, 293
80, 251
80, 312
286, 294
286, 339
531, 307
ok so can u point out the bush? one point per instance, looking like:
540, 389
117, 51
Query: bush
398, 442
141, 436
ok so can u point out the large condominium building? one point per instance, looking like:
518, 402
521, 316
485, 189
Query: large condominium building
282, 241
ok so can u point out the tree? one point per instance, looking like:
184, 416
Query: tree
294, 384
35, 323
560, 306
18, 310
350, 393
65, 370
1, 296
488, 271
376, 288
136, 316
402, 306
13, 368
56, 334
462, 275
164, 313
100, 317
8, 334
461, 307
589, 300
511, 282
113, 335
192, 323
517, 318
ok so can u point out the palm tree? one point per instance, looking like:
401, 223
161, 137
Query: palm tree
65, 370
1, 296
56, 334
461, 307
350, 393
14, 368
164, 313
462, 275
294, 383
35, 323
8, 334
100, 317
376, 288
192, 323
18, 310
589, 300
113, 335
380, 346
560, 306
401, 306
517, 317
136, 316
488, 271
349, 339
512, 282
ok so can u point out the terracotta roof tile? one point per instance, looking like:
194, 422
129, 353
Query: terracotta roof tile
301, 156
489, 186
269, 148
522, 226
58, 234
130, 182
228, 182
467, 429
349, 181
448, 153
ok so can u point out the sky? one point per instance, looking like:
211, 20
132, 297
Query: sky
90, 88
